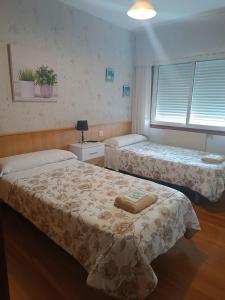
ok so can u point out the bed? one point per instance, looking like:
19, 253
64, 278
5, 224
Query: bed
73, 204
136, 155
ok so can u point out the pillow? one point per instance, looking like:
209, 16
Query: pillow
125, 140
34, 159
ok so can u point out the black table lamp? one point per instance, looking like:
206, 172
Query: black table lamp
82, 125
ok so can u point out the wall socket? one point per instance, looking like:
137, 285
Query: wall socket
101, 133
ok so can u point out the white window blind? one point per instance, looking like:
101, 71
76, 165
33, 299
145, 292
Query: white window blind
173, 92
190, 95
208, 98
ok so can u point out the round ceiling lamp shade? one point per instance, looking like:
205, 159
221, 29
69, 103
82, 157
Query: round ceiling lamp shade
142, 10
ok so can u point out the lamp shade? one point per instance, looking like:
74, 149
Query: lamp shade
142, 10
82, 125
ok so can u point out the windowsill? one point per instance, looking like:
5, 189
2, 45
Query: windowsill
207, 131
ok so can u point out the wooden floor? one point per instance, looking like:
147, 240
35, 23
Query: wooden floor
40, 270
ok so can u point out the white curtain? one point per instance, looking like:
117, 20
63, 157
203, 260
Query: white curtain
141, 101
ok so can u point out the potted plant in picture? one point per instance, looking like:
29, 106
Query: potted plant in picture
46, 78
27, 79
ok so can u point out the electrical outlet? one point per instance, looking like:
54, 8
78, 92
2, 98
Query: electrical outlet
100, 133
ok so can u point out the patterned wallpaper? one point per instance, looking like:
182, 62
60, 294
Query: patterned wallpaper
83, 46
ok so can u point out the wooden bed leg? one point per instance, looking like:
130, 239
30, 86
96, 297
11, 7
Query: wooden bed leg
4, 286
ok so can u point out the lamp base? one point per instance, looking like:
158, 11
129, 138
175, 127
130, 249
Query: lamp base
82, 137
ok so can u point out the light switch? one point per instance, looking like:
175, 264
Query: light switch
100, 133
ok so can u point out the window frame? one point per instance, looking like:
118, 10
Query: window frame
180, 126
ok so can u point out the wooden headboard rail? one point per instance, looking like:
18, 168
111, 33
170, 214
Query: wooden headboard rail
24, 142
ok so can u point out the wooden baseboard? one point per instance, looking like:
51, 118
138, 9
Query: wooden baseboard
24, 142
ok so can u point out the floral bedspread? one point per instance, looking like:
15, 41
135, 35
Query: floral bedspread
175, 165
74, 205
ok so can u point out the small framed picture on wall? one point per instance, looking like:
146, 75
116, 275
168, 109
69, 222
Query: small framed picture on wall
126, 90
109, 74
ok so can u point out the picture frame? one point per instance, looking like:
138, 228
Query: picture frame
109, 74
126, 90
25, 85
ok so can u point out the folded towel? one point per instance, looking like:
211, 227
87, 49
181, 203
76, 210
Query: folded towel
135, 202
213, 159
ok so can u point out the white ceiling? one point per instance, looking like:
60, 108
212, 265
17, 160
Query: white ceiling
114, 11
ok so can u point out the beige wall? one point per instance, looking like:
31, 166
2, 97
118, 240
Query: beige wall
83, 46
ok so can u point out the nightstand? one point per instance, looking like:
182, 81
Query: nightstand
92, 153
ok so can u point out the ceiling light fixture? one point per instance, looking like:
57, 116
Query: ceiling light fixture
142, 10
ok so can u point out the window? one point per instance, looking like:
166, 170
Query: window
190, 95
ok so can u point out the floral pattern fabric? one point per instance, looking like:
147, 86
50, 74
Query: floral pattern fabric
175, 165
74, 205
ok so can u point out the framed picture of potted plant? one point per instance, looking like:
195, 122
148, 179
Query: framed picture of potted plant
33, 74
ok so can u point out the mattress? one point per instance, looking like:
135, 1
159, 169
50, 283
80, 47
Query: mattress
73, 204
174, 165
